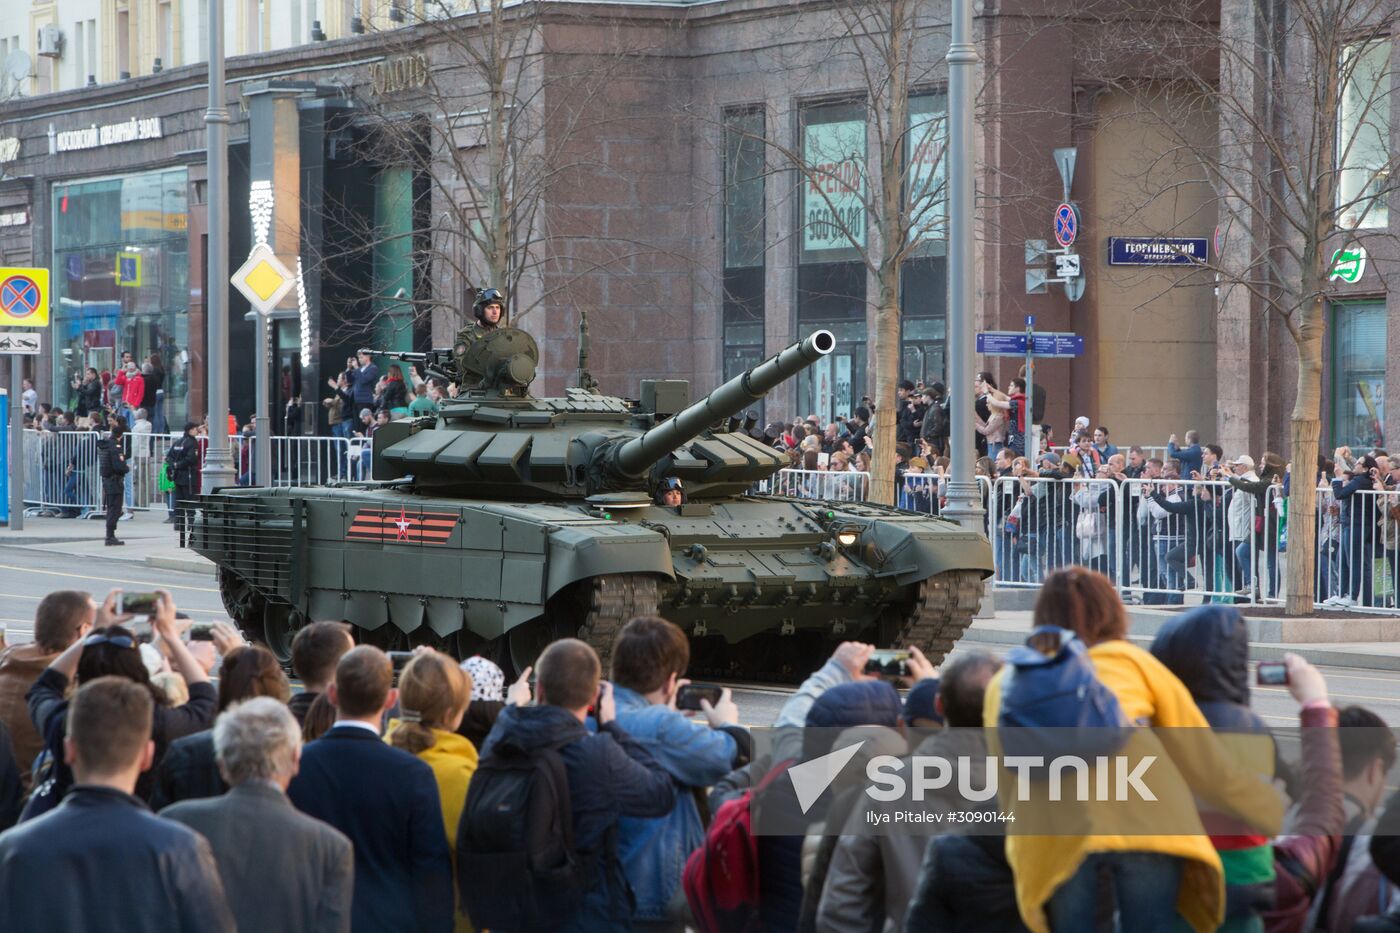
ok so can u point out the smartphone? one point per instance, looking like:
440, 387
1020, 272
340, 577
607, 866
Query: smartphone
137, 603
1272, 674
396, 658
690, 695
888, 663
202, 631
597, 702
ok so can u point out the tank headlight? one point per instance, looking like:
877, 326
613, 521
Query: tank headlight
847, 536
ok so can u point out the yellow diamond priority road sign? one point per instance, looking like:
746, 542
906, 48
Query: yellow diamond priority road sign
263, 279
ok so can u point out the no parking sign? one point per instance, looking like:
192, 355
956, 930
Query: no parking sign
24, 297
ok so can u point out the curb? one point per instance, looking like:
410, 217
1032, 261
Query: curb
122, 556
185, 564
1258, 651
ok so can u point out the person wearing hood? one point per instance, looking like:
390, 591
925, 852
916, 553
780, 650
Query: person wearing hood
874, 878
800, 864
610, 774
1207, 648
112, 467
1158, 877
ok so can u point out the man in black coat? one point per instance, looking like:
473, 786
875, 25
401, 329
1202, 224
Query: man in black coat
282, 870
183, 463
101, 860
610, 774
112, 467
384, 799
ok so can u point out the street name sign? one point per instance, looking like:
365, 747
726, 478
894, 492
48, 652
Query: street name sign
1157, 251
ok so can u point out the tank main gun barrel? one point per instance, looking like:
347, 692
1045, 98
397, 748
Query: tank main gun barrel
637, 455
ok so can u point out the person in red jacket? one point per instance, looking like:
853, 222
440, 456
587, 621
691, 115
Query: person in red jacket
1304, 855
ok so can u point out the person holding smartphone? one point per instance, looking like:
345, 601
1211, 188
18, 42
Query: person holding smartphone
649, 661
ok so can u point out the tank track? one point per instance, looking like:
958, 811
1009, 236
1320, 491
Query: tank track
941, 612
615, 600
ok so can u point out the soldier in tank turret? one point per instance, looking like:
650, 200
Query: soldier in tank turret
489, 309
669, 493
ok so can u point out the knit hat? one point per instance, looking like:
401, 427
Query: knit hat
488, 680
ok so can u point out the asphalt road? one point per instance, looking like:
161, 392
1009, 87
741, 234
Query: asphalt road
1378, 691
27, 575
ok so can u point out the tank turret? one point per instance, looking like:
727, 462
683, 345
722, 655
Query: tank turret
498, 440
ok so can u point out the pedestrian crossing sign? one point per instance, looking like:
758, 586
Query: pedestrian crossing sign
129, 269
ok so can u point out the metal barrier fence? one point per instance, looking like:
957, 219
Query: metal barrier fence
61, 475
1157, 541
1163, 543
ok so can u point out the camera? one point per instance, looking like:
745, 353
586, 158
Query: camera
202, 631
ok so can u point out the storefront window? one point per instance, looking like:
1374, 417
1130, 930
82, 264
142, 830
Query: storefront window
121, 282
1358, 375
1363, 138
831, 278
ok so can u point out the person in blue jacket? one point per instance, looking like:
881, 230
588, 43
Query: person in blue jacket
1190, 455
648, 660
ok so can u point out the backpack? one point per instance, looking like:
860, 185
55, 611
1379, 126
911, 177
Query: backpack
517, 867
1056, 705
721, 877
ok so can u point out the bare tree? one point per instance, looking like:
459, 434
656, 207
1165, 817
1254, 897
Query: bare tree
871, 187
1301, 166
472, 92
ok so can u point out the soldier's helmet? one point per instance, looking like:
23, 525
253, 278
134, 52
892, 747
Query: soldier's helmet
488, 296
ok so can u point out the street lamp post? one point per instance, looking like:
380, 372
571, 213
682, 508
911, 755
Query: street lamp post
218, 461
964, 501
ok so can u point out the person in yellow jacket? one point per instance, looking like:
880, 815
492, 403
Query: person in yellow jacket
433, 697
1162, 863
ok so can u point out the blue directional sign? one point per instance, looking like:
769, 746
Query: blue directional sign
1157, 251
1013, 343
1059, 345
1002, 343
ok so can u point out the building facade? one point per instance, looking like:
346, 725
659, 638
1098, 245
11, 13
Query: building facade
711, 174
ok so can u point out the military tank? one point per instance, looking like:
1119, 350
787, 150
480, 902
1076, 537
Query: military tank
506, 521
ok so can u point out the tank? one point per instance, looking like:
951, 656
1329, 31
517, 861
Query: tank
507, 521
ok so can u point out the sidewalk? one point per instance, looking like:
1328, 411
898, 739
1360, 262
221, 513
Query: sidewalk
1270, 639
149, 541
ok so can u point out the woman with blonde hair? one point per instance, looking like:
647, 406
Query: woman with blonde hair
433, 696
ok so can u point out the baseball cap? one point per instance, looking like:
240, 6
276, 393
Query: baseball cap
1244, 460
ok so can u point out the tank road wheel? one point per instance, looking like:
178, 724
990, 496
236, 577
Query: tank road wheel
593, 609
242, 603
615, 600
942, 609
280, 624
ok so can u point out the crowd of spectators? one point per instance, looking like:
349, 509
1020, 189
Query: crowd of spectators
136, 795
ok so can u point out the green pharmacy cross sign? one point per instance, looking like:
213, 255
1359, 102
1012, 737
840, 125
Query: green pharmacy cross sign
1348, 265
